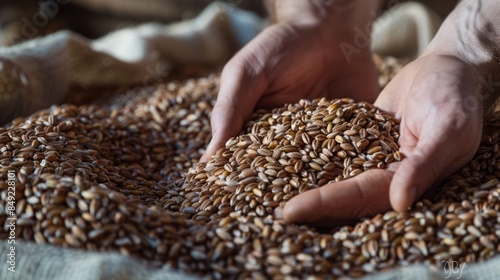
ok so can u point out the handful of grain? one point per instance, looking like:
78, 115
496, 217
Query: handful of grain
289, 151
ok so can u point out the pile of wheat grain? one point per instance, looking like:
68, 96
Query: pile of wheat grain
123, 176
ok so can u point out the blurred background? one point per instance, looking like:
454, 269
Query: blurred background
24, 19
95, 45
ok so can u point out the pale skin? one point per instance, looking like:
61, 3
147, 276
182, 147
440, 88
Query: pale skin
440, 98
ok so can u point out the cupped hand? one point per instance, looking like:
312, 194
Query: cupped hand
441, 115
285, 63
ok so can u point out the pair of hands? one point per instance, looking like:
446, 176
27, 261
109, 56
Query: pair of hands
435, 97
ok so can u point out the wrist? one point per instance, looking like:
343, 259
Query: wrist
308, 12
469, 35
344, 24
341, 13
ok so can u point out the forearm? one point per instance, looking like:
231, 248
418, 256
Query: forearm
472, 33
348, 20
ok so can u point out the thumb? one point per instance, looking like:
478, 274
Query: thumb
338, 203
239, 92
425, 165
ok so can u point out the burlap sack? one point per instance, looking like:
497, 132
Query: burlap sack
38, 73
40, 262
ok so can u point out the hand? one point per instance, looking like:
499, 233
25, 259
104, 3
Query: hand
439, 99
441, 113
287, 62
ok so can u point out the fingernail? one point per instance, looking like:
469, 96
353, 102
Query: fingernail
278, 213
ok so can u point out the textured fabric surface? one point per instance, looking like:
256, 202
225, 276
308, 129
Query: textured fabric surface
38, 73
410, 27
40, 262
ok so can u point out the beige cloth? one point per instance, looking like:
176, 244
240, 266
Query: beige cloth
405, 30
38, 73
40, 262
